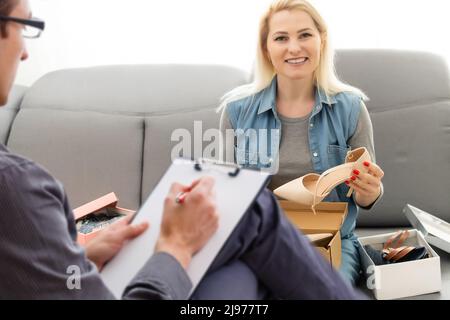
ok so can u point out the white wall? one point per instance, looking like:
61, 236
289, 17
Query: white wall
99, 32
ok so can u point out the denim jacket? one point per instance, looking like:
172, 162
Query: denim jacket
331, 124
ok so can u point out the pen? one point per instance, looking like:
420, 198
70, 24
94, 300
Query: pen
181, 196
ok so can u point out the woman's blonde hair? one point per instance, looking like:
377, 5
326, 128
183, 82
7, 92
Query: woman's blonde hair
324, 77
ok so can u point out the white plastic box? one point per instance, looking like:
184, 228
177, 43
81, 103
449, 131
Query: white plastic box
404, 279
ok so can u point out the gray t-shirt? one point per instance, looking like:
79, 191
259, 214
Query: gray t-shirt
294, 157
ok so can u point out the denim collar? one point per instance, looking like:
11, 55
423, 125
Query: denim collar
269, 97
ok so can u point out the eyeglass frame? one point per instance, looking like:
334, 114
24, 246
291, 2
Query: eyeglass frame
33, 22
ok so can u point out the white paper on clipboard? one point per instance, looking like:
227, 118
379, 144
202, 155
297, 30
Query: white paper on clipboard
234, 196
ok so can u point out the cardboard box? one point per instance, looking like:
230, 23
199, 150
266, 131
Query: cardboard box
106, 205
329, 219
436, 231
403, 279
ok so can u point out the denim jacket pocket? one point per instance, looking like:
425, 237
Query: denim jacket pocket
336, 154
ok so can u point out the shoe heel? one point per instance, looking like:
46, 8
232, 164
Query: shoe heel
349, 193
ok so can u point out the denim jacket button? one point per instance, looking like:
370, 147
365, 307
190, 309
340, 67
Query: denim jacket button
315, 154
311, 125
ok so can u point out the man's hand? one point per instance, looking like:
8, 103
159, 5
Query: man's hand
187, 227
109, 241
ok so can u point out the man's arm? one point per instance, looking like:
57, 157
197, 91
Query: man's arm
41, 258
162, 277
43, 261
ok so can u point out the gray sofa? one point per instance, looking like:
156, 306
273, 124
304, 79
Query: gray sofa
106, 129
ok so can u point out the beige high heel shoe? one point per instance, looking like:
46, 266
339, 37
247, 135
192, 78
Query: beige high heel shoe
312, 188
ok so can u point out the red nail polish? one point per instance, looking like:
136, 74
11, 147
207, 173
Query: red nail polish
347, 182
366, 163
356, 172
353, 178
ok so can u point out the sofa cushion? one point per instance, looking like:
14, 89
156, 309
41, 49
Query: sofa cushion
193, 106
88, 125
91, 153
134, 89
174, 133
395, 78
410, 109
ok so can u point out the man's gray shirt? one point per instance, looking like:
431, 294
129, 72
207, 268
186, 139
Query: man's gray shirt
39, 255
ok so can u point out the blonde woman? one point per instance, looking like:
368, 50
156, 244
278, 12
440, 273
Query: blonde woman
299, 118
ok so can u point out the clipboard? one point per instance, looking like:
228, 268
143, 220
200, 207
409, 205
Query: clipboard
236, 189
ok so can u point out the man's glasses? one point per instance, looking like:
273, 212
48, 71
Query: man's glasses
32, 27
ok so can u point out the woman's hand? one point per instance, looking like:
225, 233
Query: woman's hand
366, 185
109, 241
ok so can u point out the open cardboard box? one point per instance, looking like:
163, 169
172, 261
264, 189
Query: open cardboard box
329, 219
103, 205
403, 279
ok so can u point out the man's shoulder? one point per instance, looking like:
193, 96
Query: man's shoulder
23, 176
9, 160
18, 168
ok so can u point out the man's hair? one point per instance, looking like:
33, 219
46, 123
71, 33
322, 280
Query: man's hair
6, 6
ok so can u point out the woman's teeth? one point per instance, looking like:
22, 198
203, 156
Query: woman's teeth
297, 61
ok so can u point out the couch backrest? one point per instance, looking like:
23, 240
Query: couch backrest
109, 129
97, 129
410, 109
8, 112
